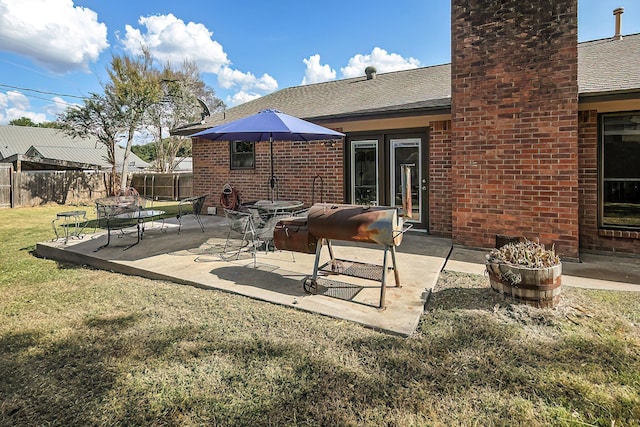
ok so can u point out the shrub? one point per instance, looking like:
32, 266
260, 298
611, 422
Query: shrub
526, 253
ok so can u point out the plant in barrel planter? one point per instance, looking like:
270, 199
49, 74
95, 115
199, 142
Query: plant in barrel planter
527, 272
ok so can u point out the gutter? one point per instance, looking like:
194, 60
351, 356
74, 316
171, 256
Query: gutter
443, 108
381, 114
620, 95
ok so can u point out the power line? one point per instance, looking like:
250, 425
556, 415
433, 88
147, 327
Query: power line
42, 92
68, 104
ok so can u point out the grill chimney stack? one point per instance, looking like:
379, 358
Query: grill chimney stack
617, 12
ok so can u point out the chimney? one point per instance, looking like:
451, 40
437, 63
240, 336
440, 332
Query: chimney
370, 71
618, 14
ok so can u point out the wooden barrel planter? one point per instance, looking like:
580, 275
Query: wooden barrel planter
539, 287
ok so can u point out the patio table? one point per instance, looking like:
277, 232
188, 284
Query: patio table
268, 213
73, 223
277, 206
139, 216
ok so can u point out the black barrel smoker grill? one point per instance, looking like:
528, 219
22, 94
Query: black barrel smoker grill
379, 225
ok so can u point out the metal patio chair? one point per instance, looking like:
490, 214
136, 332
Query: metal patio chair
191, 206
265, 224
264, 231
242, 236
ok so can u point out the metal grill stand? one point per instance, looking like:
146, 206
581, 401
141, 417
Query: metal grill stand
361, 270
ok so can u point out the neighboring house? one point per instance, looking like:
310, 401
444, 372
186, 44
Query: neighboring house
527, 132
183, 164
32, 148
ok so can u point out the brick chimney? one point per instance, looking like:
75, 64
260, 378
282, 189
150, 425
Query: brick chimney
515, 122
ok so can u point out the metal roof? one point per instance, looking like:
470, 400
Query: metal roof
604, 66
184, 164
53, 144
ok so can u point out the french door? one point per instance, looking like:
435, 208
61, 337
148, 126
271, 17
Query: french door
364, 172
390, 170
406, 172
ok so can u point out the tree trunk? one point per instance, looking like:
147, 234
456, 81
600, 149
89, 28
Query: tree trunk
125, 161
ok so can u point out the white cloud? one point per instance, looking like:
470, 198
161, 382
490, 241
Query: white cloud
58, 106
16, 100
14, 105
229, 78
266, 83
171, 40
168, 38
240, 98
316, 73
383, 61
53, 33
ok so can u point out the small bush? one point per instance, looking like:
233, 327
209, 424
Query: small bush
524, 254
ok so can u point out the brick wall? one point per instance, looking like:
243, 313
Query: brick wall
591, 237
515, 122
296, 164
440, 178
588, 178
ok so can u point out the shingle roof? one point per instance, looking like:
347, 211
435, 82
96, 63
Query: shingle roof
609, 65
400, 90
55, 145
604, 66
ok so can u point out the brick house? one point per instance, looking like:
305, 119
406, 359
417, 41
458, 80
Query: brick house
526, 133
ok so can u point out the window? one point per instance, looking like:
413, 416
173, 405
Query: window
364, 172
243, 155
620, 171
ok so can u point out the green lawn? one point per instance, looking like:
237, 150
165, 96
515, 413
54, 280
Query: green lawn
86, 347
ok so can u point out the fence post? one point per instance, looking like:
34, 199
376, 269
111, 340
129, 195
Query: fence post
6, 170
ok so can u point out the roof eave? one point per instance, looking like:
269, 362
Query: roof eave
374, 115
619, 95
56, 162
444, 108
188, 129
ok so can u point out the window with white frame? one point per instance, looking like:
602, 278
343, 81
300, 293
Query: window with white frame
243, 155
620, 171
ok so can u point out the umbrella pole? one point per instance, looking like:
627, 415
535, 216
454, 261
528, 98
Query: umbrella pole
272, 179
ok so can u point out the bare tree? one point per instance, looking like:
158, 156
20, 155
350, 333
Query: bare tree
99, 116
139, 97
135, 87
186, 100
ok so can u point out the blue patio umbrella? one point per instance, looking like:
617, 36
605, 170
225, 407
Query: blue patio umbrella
268, 125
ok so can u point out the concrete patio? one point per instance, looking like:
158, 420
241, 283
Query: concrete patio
191, 257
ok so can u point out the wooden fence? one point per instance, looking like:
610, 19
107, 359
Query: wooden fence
6, 171
33, 188
163, 186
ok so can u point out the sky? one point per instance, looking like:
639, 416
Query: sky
55, 52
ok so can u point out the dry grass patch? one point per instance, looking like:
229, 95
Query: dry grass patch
578, 362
